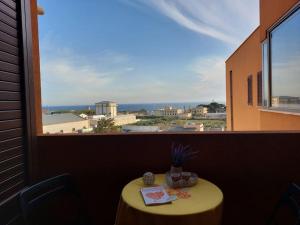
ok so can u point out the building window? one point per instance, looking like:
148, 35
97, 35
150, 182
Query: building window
231, 100
250, 94
285, 66
259, 88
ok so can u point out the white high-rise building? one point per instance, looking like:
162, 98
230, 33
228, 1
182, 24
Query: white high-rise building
106, 108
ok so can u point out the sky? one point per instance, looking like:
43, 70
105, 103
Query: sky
139, 51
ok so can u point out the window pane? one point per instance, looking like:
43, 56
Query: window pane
285, 42
265, 71
259, 88
250, 97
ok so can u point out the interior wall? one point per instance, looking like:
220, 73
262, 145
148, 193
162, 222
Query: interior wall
251, 169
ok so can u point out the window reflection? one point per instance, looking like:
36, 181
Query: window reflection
265, 72
285, 56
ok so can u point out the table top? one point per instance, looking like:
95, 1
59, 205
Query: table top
204, 196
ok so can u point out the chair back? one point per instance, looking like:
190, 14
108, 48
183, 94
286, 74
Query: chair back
10, 212
52, 201
287, 210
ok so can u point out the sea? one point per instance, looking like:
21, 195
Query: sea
128, 107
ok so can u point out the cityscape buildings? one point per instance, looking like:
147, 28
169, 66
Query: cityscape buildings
167, 119
168, 111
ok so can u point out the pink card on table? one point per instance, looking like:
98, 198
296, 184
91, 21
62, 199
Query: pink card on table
155, 195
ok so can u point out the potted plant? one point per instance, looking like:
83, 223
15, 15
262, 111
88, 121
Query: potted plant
179, 155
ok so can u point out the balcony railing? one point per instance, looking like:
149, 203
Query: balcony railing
251, 169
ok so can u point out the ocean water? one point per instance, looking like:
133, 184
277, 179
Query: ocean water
128, 107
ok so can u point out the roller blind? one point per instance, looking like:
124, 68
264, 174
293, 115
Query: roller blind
12, 99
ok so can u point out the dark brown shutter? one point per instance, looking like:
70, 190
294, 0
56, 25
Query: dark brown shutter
259, 88
250, 96
12, 111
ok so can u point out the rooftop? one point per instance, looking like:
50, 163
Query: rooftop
50, 119
133, 128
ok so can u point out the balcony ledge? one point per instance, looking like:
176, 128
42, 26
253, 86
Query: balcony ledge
294, 113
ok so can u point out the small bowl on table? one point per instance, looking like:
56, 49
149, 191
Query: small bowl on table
180, 180
186, 175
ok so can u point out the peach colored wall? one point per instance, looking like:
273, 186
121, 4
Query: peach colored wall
271, 11
247, 60
228, 103
244, 62
279, 121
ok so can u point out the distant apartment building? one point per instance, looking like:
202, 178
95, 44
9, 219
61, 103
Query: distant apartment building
106, 108
281, 101
84, 116
121, 120
263, 74
199, 111
186, 115
216, 116
97, 117
168, 112
64, 123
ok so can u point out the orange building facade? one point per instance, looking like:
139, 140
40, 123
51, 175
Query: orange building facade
258, 96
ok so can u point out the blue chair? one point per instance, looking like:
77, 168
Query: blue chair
287, 210
10, 212
53, 201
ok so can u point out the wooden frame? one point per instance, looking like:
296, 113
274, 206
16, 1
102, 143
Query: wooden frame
263, 52
28, 85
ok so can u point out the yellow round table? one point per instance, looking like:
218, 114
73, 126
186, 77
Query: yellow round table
202, 207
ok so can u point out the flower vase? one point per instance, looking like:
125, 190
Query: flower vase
175, 169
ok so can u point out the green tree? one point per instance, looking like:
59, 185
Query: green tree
106, 126
85, 111
213, 107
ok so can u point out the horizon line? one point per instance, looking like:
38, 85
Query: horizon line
224, 102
